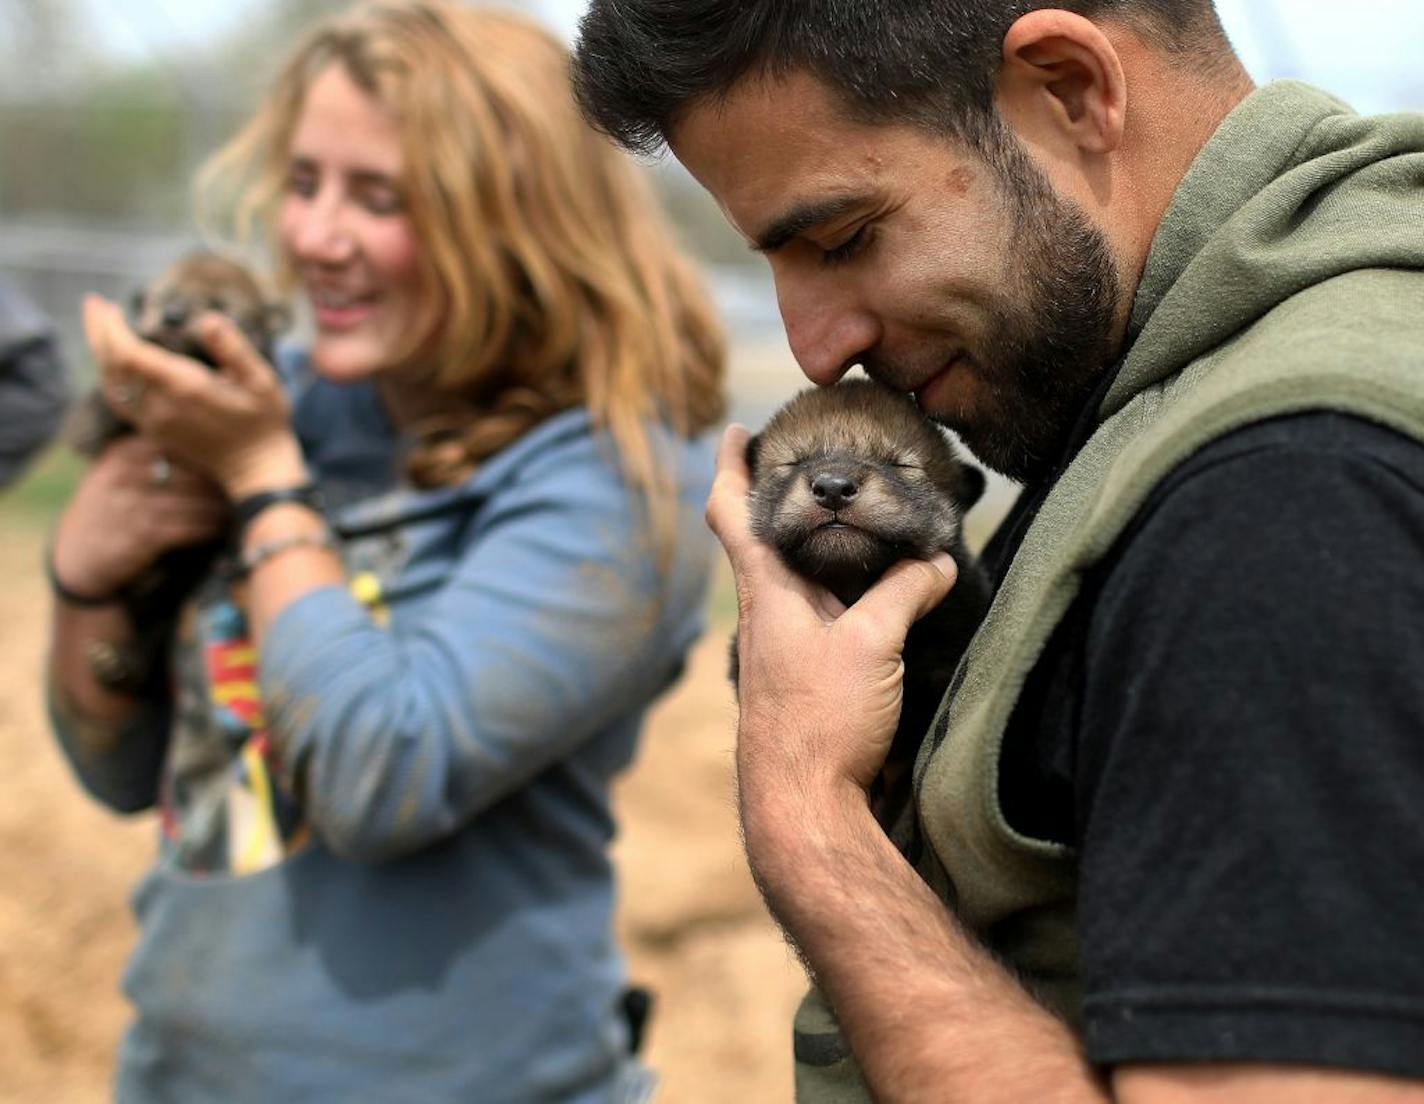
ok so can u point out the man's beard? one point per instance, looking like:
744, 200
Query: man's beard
1054, 336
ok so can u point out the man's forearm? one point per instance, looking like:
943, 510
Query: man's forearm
928, 1013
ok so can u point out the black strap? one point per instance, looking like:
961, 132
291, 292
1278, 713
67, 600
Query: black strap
245, 510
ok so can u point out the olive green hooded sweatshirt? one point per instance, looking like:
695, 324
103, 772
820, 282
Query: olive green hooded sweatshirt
1287, 275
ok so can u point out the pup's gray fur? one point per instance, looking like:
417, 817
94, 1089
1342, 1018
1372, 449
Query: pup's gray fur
164, 312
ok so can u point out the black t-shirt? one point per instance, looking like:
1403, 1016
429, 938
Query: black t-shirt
1229, 728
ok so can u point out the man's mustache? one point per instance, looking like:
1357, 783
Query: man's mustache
904, 376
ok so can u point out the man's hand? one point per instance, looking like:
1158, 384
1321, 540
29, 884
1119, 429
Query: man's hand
820, 685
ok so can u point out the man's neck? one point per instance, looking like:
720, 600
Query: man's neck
1169, 122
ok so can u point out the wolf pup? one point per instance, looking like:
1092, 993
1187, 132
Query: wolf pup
164, 313
846, 481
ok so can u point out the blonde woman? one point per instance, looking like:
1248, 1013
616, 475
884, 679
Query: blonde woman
467, 553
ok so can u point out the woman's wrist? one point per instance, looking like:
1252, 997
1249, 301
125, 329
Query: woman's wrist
77, 578
248, 512
278, 465
84, 595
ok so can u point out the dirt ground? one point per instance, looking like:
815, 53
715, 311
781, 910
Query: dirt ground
691, 921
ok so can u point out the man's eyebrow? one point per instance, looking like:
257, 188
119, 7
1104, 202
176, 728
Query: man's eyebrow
801, 218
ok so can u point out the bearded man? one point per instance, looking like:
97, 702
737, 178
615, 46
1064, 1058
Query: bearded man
1168, 809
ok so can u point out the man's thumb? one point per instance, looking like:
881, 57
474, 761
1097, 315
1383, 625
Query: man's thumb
908, 591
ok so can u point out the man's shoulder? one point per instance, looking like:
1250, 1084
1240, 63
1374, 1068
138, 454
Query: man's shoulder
1324, 436
1312, 519
1364, 316
1281, 474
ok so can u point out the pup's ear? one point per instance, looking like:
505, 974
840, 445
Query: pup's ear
277, 317
753, 451
971, 486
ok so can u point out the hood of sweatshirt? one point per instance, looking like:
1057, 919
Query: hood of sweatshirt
1294, 188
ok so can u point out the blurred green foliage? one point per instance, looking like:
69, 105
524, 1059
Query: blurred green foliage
39, 495
117, 142
117, 151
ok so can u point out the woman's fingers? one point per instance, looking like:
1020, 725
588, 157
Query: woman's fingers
102, 329
188, 515
176, 516
234, 423
95, 329
229, 347
129, 367
132, 504
143, 463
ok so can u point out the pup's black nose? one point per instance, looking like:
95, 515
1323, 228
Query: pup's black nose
833, 490
175, 313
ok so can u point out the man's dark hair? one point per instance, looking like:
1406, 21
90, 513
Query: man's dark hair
640, 64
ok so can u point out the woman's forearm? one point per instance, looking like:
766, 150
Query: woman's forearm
288, 545
113, 737
77, 635
296, 562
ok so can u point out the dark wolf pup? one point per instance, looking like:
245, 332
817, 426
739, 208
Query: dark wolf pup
848, 480
164, 311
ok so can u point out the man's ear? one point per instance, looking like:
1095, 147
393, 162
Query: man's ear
1062, 82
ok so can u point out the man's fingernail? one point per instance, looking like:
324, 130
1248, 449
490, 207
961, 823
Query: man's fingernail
946, 565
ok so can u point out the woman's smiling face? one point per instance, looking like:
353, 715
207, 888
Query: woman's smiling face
345, 229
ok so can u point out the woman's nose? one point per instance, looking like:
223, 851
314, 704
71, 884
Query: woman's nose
323, 236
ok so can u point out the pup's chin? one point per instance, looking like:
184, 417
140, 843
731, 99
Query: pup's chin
844, 559
180, 341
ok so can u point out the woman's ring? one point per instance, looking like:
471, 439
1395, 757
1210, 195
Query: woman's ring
160, 473
128, 394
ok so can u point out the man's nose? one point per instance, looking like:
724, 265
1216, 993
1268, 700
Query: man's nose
827, 330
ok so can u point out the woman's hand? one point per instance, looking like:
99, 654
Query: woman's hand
132, 505
232, 424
